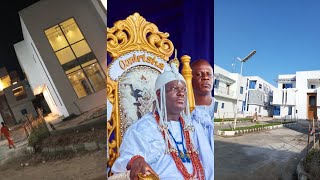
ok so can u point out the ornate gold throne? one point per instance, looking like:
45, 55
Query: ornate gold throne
140, 52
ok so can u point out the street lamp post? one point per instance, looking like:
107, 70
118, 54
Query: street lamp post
238, 95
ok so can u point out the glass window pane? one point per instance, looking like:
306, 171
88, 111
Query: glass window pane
71, 30
312, 100
96, 76
88, 63
70, 70
81, 48
80, 84
56, 38
65, 55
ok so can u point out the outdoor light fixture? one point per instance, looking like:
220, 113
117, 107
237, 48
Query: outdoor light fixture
236, 105
249, 56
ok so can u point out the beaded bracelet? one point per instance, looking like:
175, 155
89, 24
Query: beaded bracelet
132, 160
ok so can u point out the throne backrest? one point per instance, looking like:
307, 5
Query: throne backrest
136, 94
140, 53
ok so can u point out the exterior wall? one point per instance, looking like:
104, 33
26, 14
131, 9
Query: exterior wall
304, 79
297, 97
227, 111
17, 105
230, 99
49, 13
36, 71
28, 106
259, 99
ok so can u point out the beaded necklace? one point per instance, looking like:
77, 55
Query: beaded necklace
184, 156
198, 171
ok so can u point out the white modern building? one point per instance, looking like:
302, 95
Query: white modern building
251, 94
296, 96
63, 54
229, 88
259, 97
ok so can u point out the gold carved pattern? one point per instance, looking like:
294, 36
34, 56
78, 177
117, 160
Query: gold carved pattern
112, 124
135, 33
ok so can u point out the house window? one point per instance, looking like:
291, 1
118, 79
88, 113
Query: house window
228, 89
216, 107
19, 93
260, 86
276, 111
290, 111
287, 85
313, 86
76, 58
222, 105
216, 83
241, 90
252, 84
24, 112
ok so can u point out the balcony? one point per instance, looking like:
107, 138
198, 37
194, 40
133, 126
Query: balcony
224, 92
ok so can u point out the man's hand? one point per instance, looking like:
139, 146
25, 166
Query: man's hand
139, 165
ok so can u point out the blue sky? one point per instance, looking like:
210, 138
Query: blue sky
285, 34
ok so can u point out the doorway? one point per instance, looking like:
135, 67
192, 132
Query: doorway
40, 102
312, 105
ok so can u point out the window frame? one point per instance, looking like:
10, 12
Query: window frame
76, 60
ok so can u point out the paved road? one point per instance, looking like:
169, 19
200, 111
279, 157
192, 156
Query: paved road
272, 154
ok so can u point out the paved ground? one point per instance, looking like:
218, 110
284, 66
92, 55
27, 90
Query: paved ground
272, 154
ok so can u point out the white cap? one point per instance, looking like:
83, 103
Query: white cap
170, 74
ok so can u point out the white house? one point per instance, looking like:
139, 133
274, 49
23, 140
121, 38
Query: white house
63, 54
229, 88
252, 94
296, 96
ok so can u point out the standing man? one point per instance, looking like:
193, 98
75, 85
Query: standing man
169, 142
5, 132
202, 83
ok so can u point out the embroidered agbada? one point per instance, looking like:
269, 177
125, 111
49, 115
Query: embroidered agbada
144, 138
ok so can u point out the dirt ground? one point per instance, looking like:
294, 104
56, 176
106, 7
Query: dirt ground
95, 134
66, 166
312, 164
89, 165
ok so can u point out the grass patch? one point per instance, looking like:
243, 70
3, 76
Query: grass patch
232, 119
256, 126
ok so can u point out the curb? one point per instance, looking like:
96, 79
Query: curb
69, 148
246, 131
229, 122
302, 175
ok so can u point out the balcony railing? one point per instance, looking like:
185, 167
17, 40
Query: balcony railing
222, 91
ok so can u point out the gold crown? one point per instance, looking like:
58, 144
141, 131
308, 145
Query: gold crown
135, 33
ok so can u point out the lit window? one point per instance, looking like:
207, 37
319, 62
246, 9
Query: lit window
19, 93
76, 58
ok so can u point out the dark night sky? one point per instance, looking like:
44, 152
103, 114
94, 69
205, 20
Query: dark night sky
11, 33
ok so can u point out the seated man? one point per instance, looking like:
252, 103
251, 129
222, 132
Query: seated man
202, 83
167, 142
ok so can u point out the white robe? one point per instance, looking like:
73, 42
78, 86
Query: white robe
209, 108
144, 138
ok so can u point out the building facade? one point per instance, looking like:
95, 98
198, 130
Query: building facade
241, 96
259, 97
297, 96
63, 54
229, 88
